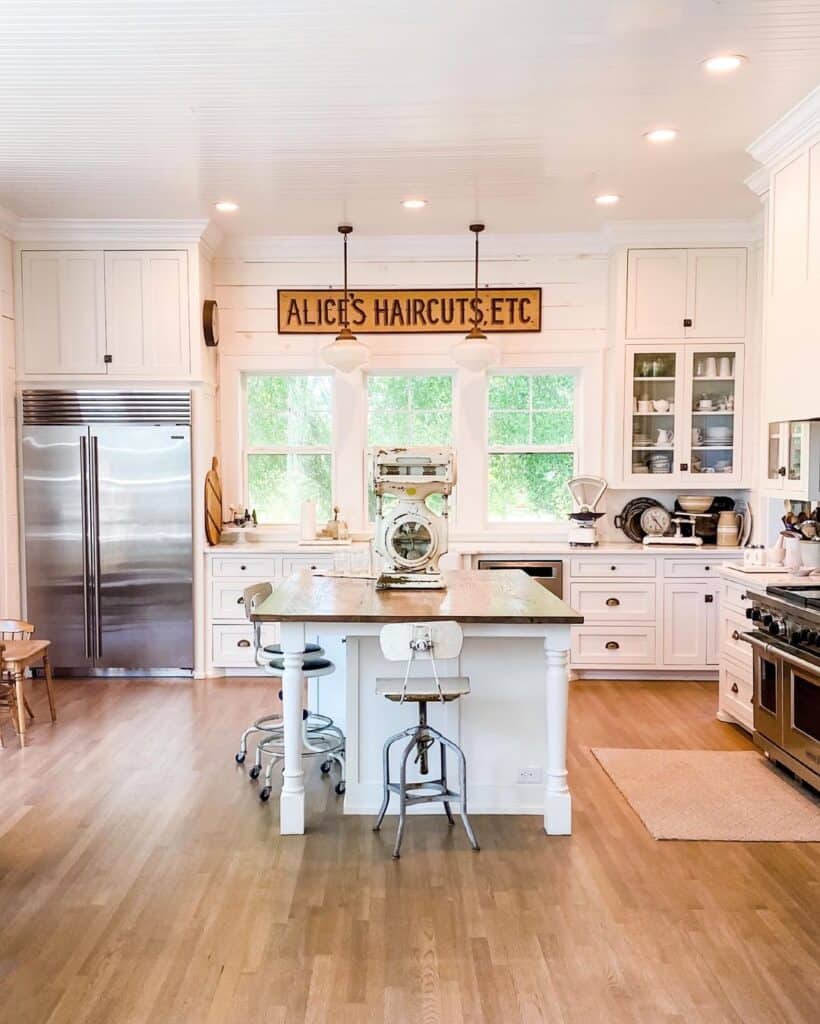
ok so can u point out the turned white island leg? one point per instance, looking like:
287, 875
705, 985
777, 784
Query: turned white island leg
292, 801
558, 802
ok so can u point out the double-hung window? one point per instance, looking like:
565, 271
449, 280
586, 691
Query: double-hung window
531, 431
288, 445
405, 409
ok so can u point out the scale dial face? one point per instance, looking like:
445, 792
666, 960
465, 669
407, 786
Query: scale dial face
656, 521
412, 541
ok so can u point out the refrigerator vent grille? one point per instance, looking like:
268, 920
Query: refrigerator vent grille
46, 407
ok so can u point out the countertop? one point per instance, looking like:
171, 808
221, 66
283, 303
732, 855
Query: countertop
272, 546
761, 580
470, 596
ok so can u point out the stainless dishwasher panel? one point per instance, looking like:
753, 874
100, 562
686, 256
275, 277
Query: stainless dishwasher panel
549, 574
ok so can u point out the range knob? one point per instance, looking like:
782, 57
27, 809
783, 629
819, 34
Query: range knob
753, 614
767, 619
776, 627
798, 635
812, 637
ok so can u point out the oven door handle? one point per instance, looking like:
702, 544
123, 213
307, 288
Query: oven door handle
778, 652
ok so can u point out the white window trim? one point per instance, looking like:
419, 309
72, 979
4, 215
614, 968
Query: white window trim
248, 450
532, 449
369, 448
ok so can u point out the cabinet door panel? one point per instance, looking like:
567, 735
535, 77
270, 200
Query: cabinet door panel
716, 300
63, 312
147, 313
656, 293
685, 624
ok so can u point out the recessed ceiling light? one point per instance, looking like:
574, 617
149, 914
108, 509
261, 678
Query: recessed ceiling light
414, 204
607, 199
661, 134
226, 206
724, 62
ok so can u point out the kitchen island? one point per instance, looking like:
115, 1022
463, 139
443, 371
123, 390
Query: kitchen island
513, 724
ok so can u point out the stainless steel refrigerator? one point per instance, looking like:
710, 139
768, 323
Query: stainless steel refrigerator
107, 527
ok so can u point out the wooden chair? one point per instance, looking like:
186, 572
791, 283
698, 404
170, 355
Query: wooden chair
8, 706
21, 652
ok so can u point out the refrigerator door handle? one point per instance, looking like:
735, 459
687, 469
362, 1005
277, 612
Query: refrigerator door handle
95, 545
86, 541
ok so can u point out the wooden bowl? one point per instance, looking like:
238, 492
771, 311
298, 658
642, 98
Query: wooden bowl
695, 502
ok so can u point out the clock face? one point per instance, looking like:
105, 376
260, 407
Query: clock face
656, 521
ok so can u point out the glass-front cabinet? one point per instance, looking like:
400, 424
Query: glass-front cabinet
793, 460
683, 410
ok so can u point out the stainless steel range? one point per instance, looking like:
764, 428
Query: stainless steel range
786, 643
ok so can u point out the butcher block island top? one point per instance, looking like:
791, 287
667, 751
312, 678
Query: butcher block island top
470, 596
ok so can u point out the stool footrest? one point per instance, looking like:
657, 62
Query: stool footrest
444, 794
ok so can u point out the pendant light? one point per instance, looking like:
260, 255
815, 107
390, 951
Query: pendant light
475, 351
346, 353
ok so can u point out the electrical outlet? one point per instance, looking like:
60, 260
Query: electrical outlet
532, 773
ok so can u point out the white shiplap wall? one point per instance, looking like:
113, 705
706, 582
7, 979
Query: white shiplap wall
574, 284
9, 544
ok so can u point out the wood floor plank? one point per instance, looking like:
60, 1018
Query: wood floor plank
142, 882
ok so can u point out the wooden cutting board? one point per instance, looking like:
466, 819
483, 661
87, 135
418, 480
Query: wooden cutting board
213, 503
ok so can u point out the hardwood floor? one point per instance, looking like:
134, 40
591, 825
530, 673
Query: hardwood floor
142, 881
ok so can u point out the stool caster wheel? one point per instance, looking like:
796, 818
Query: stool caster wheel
264, 793
254, 772
340, 788
325, 767
239, 758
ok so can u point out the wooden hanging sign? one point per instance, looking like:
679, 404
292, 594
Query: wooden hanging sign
409, 310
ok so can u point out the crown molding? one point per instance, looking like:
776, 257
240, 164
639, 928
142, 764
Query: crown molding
8, 222
793, 130
110, 232
758, 182
684, 233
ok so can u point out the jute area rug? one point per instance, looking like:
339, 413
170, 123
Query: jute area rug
728, 795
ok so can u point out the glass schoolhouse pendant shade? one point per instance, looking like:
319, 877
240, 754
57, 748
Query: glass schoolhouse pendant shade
345, 353
475, 351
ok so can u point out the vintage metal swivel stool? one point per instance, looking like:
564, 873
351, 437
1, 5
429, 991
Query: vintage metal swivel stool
320, 735
423, 641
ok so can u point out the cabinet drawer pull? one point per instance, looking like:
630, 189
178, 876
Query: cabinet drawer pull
706, 568
243, 643
612, 645
734, 688
709, 598
243, 567
735, 634
612, 568
240, 600
612, 602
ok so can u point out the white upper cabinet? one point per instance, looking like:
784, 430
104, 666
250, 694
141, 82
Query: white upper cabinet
63, 312
686, 293
146, 301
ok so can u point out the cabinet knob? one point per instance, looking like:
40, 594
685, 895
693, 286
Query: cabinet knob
687, 321
735, 634
781, 471
243, 643
612, 602
612, 645
707, 568
240, 600
613, 568
684, 467
108, 358
709, 598
734, 688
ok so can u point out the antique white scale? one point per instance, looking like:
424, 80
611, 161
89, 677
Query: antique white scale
410, 538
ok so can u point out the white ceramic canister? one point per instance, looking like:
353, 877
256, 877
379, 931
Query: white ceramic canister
810, 553
793, 559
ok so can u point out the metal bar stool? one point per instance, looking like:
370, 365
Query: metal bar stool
423, 641
320, 734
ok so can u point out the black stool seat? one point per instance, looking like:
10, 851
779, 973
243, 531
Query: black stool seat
277, 649
308, 664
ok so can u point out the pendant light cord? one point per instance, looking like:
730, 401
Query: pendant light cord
345, 323
475, 301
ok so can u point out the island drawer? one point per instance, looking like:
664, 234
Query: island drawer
605, 568
232, 646
613, 602
255, 567
734, 597
602, 647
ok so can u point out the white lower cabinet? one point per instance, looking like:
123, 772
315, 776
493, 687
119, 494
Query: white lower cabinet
228, 573
648, 611
690, 623
736, 672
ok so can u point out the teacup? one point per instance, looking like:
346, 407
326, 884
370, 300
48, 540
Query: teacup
661, 405
697, 435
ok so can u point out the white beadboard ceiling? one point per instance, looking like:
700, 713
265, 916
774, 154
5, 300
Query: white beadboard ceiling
307, 112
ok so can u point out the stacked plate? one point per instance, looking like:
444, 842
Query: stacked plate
660, 462
718, 435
